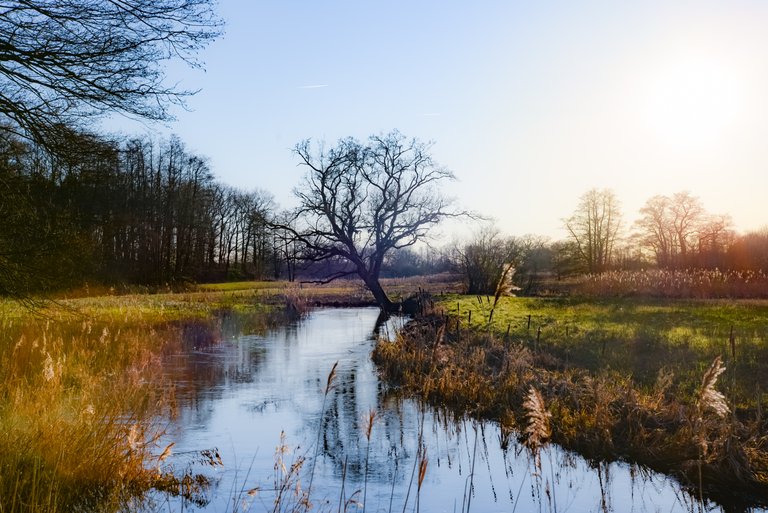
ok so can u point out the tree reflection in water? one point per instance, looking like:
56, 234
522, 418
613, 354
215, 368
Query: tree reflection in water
238, 393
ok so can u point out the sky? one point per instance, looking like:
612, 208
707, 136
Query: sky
530, 104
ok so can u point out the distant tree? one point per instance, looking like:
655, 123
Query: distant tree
401, 263
63, 61
750, 251
680, 232
566, 259
687, 214
361, 201
409, 262
655, 230
594, 228
286, 251
483, 259
536, 260
715, 236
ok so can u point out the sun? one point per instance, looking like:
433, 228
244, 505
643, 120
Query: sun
693, 100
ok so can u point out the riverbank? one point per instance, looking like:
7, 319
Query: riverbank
80, 386
80, 393
621, 379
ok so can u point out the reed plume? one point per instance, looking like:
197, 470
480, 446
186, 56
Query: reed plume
538, 430
331, 378
709, 398
504, 286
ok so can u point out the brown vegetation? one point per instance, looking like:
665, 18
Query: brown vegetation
677, 284
603, 415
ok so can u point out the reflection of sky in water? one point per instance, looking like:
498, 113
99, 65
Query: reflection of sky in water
240, 394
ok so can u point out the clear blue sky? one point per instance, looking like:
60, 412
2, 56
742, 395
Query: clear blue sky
529, 103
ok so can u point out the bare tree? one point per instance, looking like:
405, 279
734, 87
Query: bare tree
360, 201
65, 60
594, 227
750, 251
687, 217
655, 231
483, 260
672, 226
715, 237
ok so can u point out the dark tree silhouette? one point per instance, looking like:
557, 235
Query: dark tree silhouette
62, 61
360, 201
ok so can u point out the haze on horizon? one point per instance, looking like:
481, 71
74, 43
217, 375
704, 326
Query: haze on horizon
529, 105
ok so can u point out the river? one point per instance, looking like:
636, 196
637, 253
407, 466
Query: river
247, 395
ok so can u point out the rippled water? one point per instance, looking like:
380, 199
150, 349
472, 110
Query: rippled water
240, 394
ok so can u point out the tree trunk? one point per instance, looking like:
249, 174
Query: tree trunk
379, 295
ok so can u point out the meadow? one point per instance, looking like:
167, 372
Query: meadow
677, 385
636, 337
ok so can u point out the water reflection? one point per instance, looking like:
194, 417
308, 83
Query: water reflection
240, 393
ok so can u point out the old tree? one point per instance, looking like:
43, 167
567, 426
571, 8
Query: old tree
360, 201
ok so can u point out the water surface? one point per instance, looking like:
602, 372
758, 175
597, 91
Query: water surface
247, 395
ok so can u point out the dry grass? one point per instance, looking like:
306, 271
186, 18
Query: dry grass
678, 284
79, 387
603, 415
74, 403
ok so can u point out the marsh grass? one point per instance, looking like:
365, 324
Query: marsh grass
638, 338
602, 413
80, 392
675, 283
72, 393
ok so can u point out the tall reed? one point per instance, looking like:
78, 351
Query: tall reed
601, 414
80, 386
368, 427
329, 384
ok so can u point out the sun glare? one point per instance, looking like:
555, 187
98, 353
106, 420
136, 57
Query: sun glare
693, 101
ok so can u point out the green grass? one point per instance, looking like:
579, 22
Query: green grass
243, 285
636, 337
621, 379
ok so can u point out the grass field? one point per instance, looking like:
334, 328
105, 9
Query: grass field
637, 337
638, 379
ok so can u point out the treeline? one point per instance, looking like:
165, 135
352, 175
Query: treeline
86, 208
671, 232
135, 210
